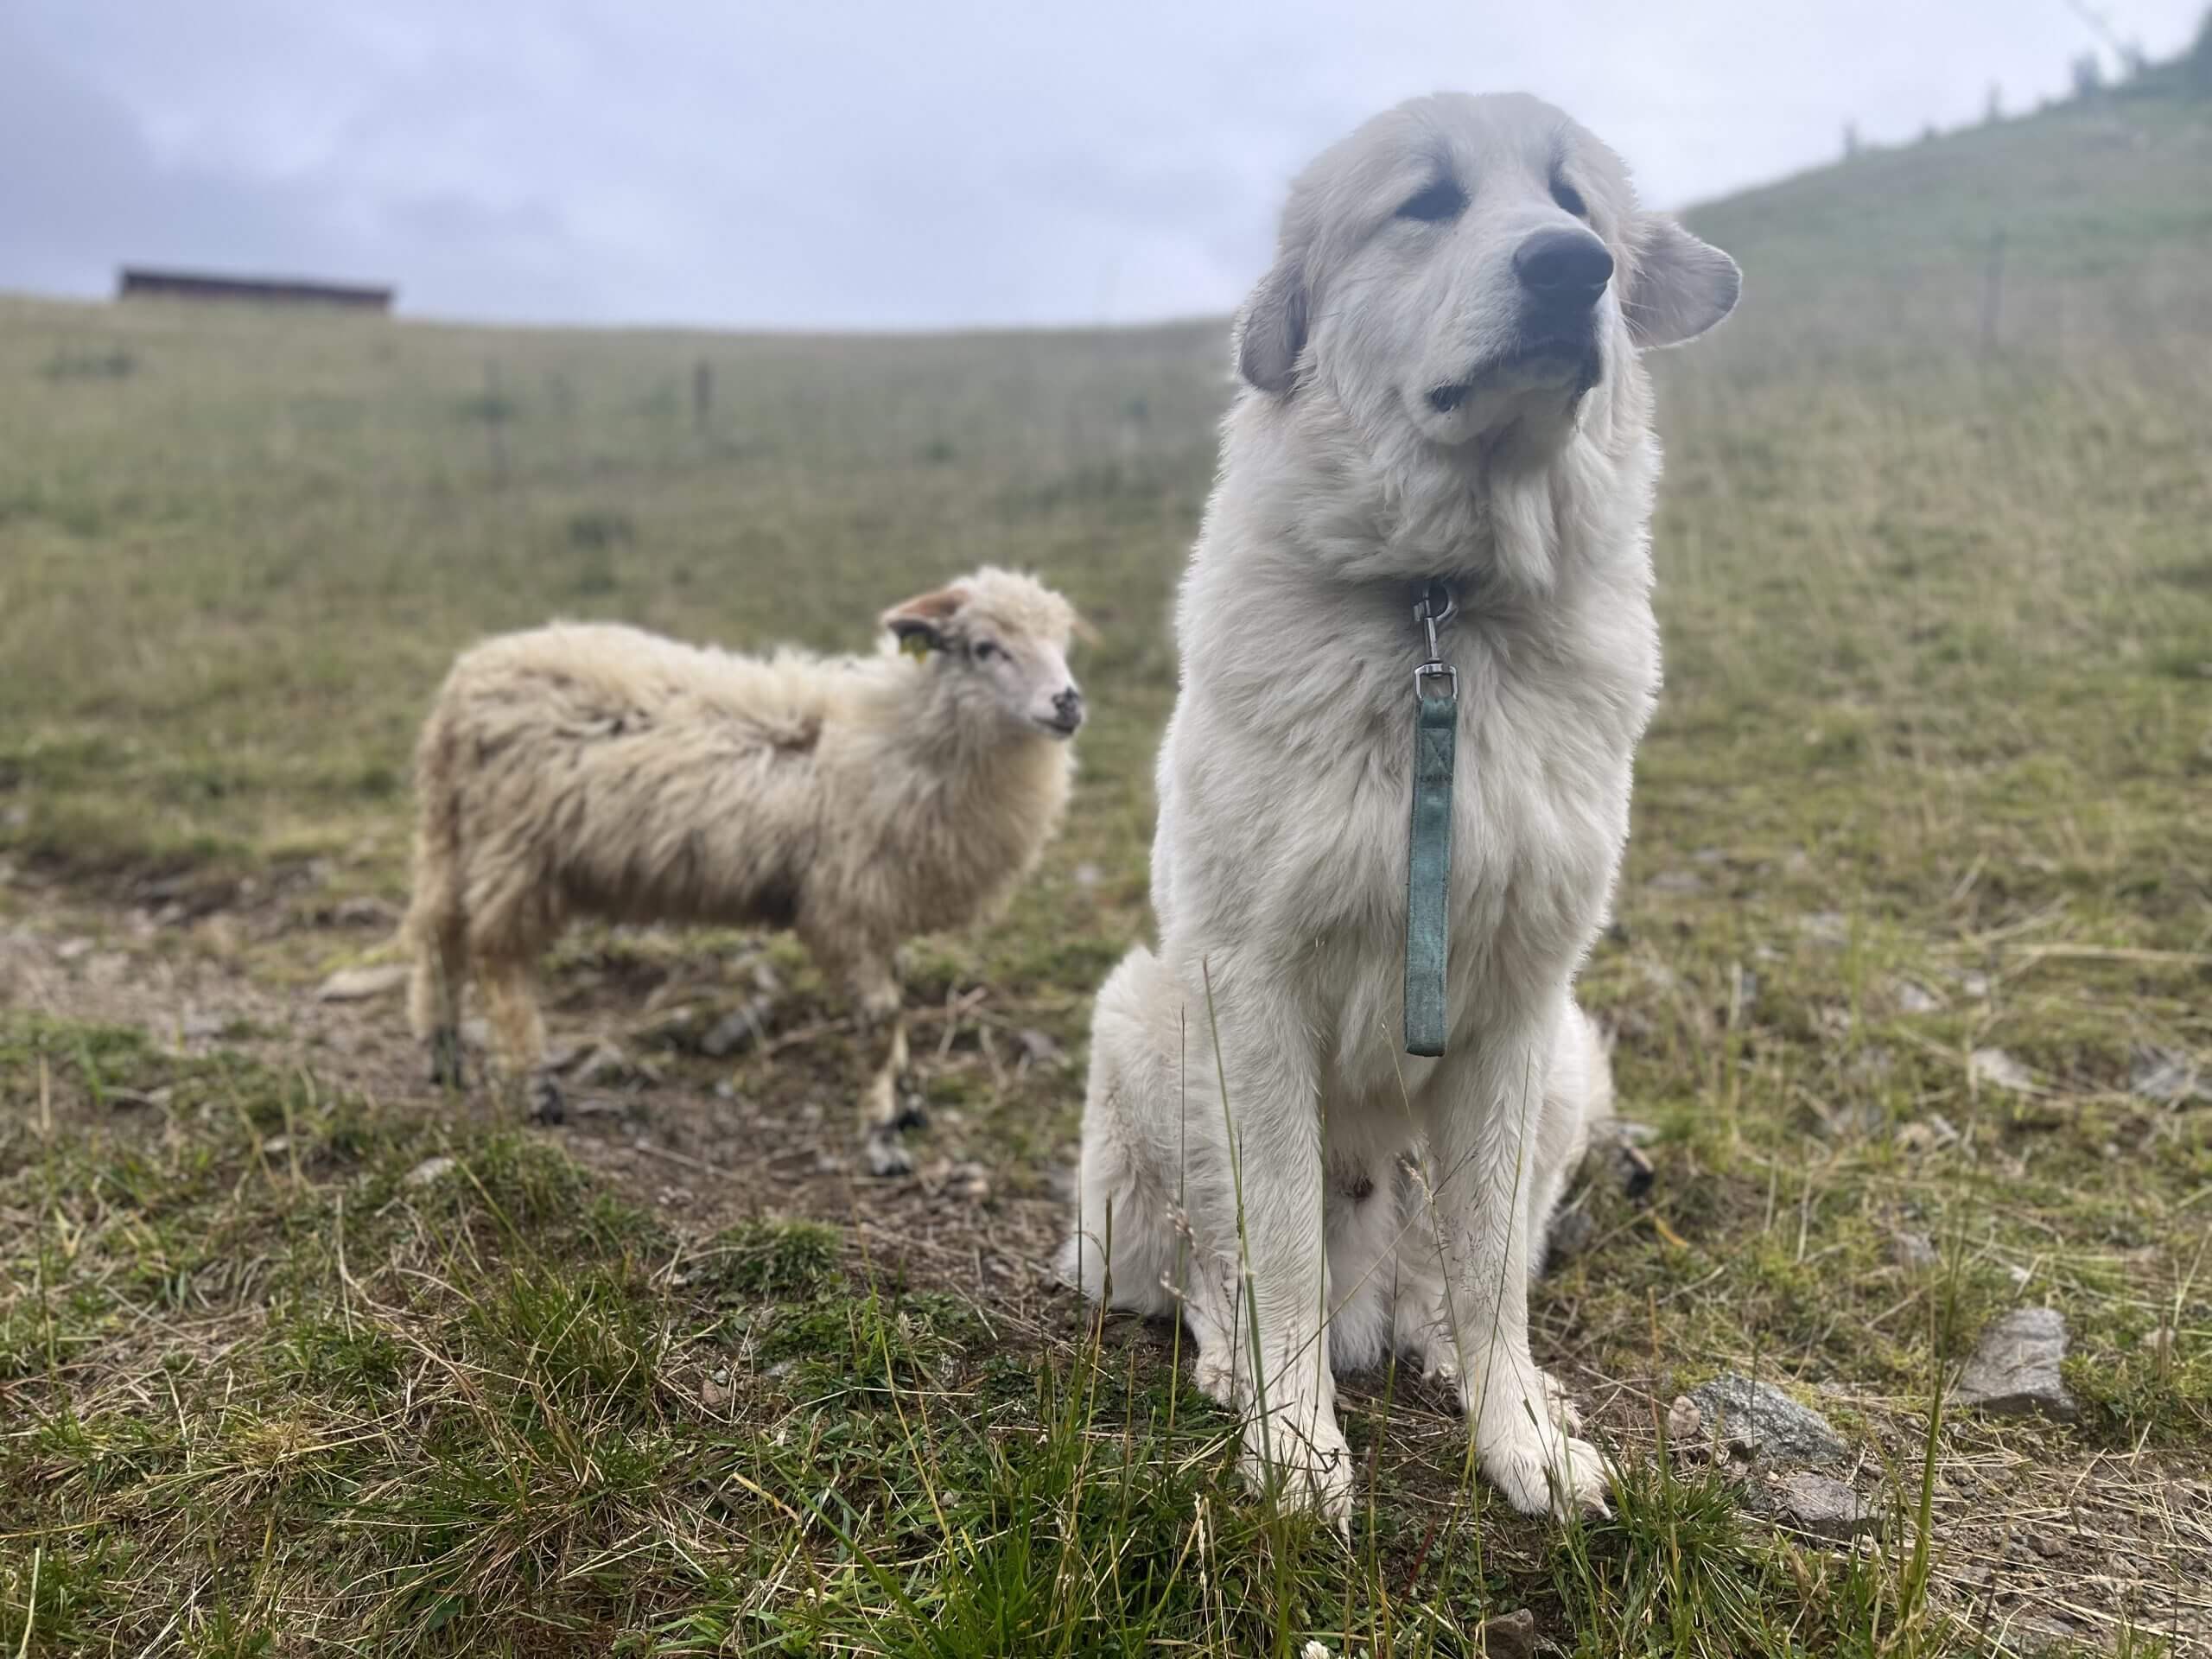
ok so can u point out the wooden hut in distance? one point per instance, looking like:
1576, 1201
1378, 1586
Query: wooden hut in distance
140, 282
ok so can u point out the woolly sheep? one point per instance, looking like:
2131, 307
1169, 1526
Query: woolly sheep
597, 770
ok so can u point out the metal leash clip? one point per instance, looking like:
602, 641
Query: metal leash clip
1431, 610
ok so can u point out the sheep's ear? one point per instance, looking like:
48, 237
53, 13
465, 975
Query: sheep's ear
1271, 329
921, 619
1683, 286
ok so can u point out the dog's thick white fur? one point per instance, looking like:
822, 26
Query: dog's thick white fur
1443, 384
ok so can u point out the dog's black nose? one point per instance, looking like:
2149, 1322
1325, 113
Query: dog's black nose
1564, 267
1068, 707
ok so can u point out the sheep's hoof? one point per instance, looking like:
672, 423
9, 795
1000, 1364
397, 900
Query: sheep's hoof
1637, 1174
885, 1157
914, 1112
546, 1103
445, 1066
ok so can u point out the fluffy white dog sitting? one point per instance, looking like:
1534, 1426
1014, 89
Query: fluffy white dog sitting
1444, 408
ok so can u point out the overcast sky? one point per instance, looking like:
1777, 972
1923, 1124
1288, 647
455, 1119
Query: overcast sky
859, 164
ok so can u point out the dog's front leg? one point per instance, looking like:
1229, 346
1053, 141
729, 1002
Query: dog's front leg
1281, 1350
1482, 1119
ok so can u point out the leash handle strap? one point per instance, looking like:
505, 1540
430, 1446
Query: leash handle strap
1428, 863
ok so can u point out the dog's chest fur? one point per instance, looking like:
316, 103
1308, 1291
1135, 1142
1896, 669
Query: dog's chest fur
1286, 779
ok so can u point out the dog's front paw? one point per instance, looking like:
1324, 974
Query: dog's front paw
1315, 1471
1545, 1471
1215, 1373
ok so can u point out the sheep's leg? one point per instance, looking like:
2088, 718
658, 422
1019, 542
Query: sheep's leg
883, 1046
519, 1033
433, 998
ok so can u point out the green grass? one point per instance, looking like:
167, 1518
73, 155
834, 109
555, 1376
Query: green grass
1932, 775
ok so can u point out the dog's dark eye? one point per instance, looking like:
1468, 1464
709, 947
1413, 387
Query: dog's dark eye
985, 650
1569, 198
1443, 199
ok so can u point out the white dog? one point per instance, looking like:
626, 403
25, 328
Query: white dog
1443, 401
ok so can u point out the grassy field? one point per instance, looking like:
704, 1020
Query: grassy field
1916, 939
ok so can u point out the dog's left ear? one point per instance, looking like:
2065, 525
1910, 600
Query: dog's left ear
1271, 330
1682, 286
921, 619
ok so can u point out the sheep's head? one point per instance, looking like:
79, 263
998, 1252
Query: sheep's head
1002, 641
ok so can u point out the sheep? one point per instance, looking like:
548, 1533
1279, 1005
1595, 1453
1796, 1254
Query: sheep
600, 771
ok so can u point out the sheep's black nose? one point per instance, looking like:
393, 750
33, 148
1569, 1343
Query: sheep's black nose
1068, 707
1564, 266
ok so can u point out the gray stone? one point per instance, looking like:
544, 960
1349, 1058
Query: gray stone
359, 984
740, 1028
1913, 997
606, 1064
1915, 1251
1994, 1067
2014, 1371
1831, 928
1676, 881
1758, 1419
1037, 1046
1684, 1421
1509, 1636
428, 1171
1823, 1507
2166, 1075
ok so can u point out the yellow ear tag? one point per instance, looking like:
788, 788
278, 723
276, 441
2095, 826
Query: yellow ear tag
915, 646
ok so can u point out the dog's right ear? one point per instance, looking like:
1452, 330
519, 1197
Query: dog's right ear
1271, 330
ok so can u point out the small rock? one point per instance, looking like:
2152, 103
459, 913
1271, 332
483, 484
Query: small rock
1932, 1131
2014, 1371
1975, 985
1676, 881
361, 912
359, 984
1826, 927
604, 1064
428, 1171
1994, 1067
2166, 1075
1912, 997
1823, 1507
476, 1032
712, 1394
1088, 876
1710, 855
1747, 988
1759, 1419
202, 1027
1685, 1422
966, 1180
1509, 1636
1915, 1252
739, 1029
277, 1143
1037, 1047
70, 949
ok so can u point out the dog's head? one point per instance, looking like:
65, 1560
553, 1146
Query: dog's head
1460, 264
